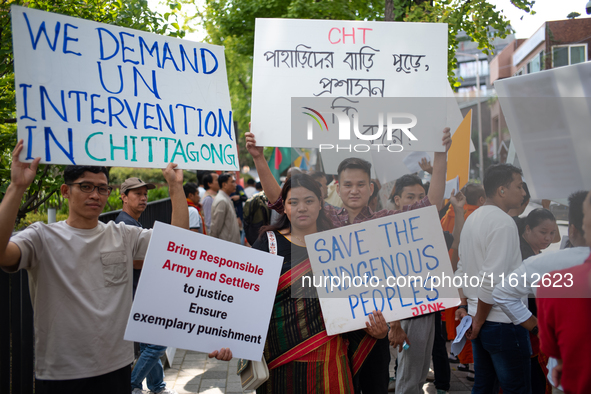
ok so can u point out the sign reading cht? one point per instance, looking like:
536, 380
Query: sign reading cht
344, 124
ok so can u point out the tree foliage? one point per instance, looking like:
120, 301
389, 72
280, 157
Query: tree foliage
134, 14
231, 23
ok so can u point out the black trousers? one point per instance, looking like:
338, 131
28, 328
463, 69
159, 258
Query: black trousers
116, 382
439, 356
373, 377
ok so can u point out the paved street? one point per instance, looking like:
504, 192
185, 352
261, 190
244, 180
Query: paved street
193, 372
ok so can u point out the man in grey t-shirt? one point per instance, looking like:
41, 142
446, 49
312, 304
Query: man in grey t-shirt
79, 272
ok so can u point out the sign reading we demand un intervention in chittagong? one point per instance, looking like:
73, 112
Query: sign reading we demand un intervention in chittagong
202, 293
89, 93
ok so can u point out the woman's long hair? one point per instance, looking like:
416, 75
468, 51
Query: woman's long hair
306, 181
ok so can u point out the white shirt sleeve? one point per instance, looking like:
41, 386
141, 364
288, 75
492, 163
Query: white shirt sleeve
509, 293
194, 218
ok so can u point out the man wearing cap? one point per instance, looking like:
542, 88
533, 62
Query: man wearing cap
134, 194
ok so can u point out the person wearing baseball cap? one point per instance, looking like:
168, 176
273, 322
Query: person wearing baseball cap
134, 194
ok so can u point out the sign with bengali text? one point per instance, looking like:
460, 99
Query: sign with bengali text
355, 59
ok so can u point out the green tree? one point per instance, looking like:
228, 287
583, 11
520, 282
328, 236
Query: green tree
231, 23
134, 14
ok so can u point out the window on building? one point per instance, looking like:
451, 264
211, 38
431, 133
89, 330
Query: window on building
536, 64
469, 69
565, 55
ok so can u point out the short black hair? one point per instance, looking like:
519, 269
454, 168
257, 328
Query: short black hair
224, 178
498, 175
72, 173
318, 175
354, 163
473, 192
259, 186
189, 188
207, 179
250, 181
404, 181
534, 219
575, 209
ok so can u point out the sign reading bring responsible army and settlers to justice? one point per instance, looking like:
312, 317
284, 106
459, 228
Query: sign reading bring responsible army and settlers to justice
201, 293
397, 264
96, 94
354, 59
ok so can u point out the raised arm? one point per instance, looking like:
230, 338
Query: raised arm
437, 188
458, 200
21, 177
180, 209
268, 181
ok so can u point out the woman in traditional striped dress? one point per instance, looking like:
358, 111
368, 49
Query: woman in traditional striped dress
300, 355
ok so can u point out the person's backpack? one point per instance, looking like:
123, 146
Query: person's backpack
256, 215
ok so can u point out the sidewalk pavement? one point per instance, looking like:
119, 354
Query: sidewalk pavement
193, 372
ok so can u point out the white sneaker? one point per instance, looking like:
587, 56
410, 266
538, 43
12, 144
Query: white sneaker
138, 391
165, 390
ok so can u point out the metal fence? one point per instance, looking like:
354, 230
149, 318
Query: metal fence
17, 374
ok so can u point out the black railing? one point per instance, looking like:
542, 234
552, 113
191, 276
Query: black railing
17, 375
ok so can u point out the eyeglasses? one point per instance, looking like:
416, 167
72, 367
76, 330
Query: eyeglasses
88, 187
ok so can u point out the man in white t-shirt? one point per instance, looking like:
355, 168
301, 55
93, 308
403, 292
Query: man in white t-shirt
80, 279
192, 195
489, 249
250, 188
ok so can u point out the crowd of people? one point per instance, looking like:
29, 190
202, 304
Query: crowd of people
528, 315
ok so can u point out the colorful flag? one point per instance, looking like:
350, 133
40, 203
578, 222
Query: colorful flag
279, 161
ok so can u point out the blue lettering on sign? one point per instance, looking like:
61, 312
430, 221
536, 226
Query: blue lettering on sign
100, 70
69, 154
66, 39
42, 30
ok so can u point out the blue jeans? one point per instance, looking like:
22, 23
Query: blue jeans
149, 367
502, 356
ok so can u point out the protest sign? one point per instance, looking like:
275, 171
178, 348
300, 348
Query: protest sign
323, 58
200, 293
458, 157
548, 114
397, 264
95, 94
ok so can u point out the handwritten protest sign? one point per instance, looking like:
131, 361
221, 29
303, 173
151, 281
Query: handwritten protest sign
322, 58
96, 94
397, 264
200, 293
548, 115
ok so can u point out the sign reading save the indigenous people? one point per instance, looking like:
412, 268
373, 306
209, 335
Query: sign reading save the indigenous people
397, 264
97, 94
200, 293
354, 59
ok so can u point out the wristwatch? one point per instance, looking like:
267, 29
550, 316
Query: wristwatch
534, 330
463, 307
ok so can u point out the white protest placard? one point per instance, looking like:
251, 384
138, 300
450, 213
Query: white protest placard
324, 58
201, 293
95, 94
548, 115
397, 264
451, 185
